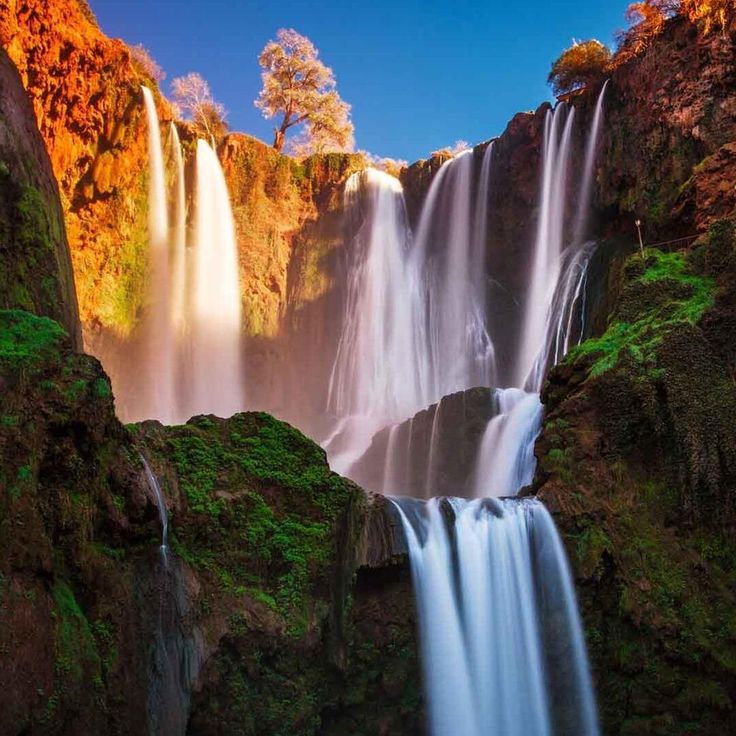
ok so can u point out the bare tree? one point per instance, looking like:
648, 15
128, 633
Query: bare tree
146, 63
191, 94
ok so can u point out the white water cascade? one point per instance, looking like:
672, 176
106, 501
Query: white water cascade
502, 643
163, 512
187, 356
178, 238
415, 322
214, 361
548, 247
158, 360
450, 255
379, 376
554, 299
498, 620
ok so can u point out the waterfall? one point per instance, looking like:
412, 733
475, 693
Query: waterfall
502, 643
215, 361
157, 363
178, 237
163, 512
506, 461
548, 246
177, 652
186, 355
450, 253
414, 328
586, 188
378, 376
498, 620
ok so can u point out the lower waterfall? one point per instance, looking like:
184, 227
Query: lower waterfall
498, 620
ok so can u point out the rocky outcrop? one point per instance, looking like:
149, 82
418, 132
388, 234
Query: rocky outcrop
638, 462
287, 600
434, 452
85, 91
35, 269
276, 201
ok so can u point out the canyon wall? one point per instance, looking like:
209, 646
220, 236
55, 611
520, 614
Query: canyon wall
35, 269
282, 567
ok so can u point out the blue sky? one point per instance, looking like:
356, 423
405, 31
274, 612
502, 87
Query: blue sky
420, 74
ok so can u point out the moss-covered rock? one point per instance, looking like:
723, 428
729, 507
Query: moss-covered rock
35, 268
638, 459
285, 605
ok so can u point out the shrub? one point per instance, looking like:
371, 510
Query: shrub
646, 20
579, 66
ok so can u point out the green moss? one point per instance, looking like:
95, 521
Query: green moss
122, 302
76, 650
26, 339
102, 388
262, 509
686, 297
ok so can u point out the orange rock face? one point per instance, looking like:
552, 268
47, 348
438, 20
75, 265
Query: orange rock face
86, 95
85, 89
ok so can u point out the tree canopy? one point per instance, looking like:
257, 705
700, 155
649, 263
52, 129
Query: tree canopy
300, 89
582, 64
191, 94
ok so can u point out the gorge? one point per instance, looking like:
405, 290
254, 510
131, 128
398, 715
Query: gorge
541, 414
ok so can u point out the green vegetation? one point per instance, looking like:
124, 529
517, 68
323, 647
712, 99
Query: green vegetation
262, 510
124, 297
26, 339
76, 649
672, 294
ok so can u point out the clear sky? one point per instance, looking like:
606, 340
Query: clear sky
420, 74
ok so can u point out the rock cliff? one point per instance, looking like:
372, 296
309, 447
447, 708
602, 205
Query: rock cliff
35, 269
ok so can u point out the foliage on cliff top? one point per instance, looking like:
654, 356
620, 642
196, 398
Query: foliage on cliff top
583, 64
656, 299
647, 20
262, 509
193, 99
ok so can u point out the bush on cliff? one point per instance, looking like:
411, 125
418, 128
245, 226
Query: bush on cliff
579, 66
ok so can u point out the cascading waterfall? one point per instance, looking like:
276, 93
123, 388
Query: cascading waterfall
178, 238
187, 358
378, 376
163, 512
157, 362
450, 255
498, 620
586, 188
548, 247
176, 655
415, 327
554, 299
506, 455
557, 267
214, 361
502, 643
